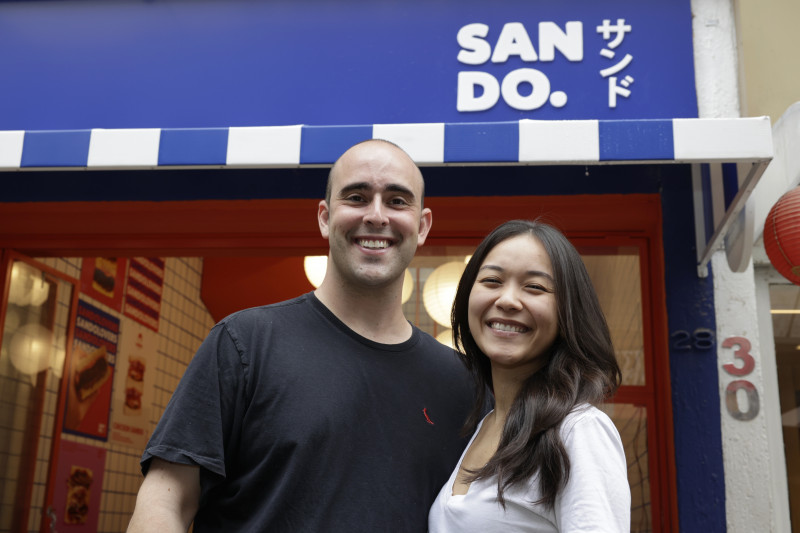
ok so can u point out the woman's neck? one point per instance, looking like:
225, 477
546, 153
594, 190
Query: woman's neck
506, 384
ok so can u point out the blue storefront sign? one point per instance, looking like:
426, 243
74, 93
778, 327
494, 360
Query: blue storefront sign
196, 64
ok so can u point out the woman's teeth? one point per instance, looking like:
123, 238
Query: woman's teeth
506, 327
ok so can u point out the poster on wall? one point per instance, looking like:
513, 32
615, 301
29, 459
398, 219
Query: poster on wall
91, 369
134, 385
78, 487
103, 278
143, 290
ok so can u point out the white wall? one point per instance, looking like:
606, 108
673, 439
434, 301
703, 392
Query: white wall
751, 501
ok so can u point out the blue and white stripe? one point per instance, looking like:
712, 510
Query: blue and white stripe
713, 146
523, 142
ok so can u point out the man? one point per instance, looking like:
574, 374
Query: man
328, 412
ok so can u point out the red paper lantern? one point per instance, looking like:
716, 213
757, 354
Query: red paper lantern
782, 235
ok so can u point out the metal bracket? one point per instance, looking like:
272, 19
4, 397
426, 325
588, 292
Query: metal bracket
757, 168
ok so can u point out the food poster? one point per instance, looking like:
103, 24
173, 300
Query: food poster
143, 290
78, 487
103, 278
134, 385
91, 368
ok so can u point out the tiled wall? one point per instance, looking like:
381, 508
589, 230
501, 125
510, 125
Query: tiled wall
184, 323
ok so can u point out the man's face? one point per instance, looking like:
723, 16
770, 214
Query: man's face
375, 221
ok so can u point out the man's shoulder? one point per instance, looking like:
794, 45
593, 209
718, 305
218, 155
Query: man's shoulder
431, 344
260, 313
440, 355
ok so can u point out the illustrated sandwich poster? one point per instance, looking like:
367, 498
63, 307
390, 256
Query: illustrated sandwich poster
103, 278
134, 385
91, 369
143, 290
78, 487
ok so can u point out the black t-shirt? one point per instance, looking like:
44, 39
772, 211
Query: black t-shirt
300, 424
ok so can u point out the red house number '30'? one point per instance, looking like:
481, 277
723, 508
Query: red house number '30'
748, 363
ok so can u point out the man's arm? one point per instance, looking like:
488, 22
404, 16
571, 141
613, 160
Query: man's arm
168, 498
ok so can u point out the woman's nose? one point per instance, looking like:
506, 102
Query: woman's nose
508, 299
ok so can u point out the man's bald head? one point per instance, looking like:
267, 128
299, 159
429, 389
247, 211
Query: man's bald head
354, 150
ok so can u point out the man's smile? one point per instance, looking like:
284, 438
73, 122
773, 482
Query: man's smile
373, 244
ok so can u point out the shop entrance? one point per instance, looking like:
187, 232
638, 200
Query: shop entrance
619, 237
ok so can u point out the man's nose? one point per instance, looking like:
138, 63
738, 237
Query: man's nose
376, 213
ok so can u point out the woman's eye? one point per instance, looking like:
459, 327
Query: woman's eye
538, 287
489, 281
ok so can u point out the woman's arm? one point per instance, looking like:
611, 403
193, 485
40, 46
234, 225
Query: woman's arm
597, 497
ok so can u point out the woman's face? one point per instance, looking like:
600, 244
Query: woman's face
512, 306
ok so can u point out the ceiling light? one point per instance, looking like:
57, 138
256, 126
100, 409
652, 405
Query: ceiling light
440, 291
446, 337
315, 267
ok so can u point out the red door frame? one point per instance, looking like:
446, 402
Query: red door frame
289, 227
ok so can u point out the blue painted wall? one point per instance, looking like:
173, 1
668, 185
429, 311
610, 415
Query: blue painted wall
693, 368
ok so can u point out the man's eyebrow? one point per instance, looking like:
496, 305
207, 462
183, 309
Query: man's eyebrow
362, 186
534, 273
393, 187
354, 187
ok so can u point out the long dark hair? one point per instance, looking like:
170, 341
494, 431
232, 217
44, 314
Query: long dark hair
581, 367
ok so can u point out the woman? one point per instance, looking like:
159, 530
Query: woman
530, 327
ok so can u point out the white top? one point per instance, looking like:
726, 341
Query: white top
596, 498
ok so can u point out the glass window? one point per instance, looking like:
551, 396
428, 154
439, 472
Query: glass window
617, 281
785, 306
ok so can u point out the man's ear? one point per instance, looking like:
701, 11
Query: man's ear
425, 223
322, 217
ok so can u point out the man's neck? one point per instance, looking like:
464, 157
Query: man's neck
376, 314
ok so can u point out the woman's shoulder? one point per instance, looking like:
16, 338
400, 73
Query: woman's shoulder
585, 417
590, 436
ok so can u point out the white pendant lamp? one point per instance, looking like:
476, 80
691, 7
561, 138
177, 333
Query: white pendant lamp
440, 291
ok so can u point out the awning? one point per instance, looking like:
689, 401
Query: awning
729, 155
